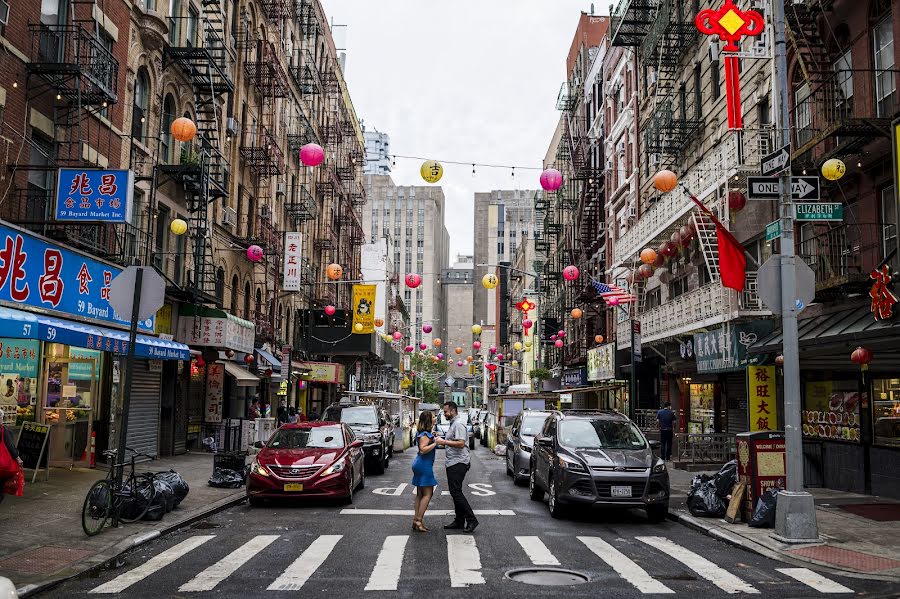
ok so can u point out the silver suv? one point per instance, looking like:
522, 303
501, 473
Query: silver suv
520, 442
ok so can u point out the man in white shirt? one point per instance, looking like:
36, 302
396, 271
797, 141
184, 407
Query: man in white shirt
457, 467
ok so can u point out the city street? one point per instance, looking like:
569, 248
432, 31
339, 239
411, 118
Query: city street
368, 546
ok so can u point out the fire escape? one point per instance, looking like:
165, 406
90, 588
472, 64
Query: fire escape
200, 167
72, 76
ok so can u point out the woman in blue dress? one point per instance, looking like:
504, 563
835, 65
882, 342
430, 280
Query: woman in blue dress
423, 469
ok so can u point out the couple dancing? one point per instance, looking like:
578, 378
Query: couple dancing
457, 466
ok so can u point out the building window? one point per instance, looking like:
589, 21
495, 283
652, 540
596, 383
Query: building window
166, 142
843, 72
802, 113
234, 294
175, 22
703, 278
698, 93
885, 85
220, 286
653, 299
193, 27
161, 237
140, 114
678, 287
715, 81
889, 222
247, 300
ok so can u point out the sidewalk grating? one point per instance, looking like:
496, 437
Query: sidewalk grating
43, 559
856, 560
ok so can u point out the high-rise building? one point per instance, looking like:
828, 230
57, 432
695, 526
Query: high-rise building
502, 219
458, 287
413, 217
378, 152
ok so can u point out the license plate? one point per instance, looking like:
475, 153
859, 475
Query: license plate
620, 491
299, 487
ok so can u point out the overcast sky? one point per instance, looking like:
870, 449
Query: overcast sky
466, 80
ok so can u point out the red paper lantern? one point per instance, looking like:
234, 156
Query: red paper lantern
862, 356
249, 359
779, 360
527, 323
646, 271
736, 201
330, 310
423, 346
492, 367
669, 248
630, 277
686, 233
200, 362
570, 273
660, 259
268, 372
413, 280
558, 343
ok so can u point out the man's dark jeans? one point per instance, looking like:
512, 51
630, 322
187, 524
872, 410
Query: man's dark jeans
665, 444
455, 476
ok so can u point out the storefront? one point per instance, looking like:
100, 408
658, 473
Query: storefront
609, 393
319, 386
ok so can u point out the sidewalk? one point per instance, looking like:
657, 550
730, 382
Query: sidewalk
41, 539
851, 544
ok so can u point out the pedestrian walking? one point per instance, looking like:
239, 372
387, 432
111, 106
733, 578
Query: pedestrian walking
457, 457
292, 415
666, 418
423, 469
282, 414
253, 411
10, 461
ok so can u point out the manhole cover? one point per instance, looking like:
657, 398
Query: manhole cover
547, 576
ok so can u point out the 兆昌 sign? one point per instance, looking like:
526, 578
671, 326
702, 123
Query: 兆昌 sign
87, 195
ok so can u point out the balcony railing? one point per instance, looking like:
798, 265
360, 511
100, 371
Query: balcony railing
631, 20
843, 255
260, 149
74, 63
264, 70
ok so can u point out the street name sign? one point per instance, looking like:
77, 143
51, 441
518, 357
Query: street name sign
773, 230
763, 188
805, 189
768, 282
819, 211
777, 161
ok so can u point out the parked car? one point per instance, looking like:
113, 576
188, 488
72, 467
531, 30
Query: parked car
475, 419
308, 459
393, 425
597, 459
483, 423
520, 442
443, 427
369, 425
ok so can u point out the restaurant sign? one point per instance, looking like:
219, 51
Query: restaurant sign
724, 349
94, 195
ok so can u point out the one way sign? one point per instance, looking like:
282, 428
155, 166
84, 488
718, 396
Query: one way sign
777, 161
805, 188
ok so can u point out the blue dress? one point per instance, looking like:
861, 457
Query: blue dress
423, 466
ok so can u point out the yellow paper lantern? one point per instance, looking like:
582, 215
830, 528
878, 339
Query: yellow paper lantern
476, 328
833, 169
515, 363
517, 346
432, 171
358, 327
490, 281
178, 227
528, 344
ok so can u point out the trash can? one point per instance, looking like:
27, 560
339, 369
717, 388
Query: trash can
761, 464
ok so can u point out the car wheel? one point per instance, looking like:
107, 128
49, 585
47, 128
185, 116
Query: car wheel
256, 502
534, 492
556, 510
509, 470
657, 513
519, 479
348, 500
472, 442
378, 467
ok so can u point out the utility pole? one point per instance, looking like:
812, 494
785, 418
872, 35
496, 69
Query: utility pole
796, 513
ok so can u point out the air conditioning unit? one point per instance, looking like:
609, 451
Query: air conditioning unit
279, 188
229, 217
265, 211
231, 127
620, 147
4, 12
632, 212
654, 159
714, 50
651, 78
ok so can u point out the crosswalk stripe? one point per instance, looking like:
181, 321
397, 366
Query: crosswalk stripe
624, 566
537, 551
814, 580
296, 575
386, 575
225, 567
720, 577
371, 512
154, 564
465, 562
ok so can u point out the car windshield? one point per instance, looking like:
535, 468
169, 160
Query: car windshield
532, 425
600, 434
324, 437
361, 416
464, 418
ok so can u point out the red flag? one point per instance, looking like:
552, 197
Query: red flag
732, 261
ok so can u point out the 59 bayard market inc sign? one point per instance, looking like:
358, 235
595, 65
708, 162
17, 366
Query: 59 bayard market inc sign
36, 273
94, 195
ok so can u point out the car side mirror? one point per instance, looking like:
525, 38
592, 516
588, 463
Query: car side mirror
258, 445
654, 444
546, 442
356, 444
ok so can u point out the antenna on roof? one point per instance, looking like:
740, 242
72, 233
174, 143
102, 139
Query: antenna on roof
592, 9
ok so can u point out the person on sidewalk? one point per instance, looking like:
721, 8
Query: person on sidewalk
253, 411
10, 447
457, 457
666, 418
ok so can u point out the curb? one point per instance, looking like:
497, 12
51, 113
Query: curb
719, 533
109, 557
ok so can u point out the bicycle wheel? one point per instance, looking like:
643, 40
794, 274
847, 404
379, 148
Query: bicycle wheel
97, 507
141, 494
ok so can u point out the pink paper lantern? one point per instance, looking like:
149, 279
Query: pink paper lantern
312, 154
493, 349
423, 346
551, 179
409, 349
476, 344
426, 328
613, 301
413, 280
570, 273
450, 361
561, 334
499, 356
330, 310
527, 323
397, 335
554, 337
459, 363
558, 343
254, 253
440, 356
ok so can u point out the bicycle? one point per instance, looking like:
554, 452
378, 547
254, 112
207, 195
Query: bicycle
108, 498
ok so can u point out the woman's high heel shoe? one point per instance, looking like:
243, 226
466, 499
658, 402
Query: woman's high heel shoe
419, 527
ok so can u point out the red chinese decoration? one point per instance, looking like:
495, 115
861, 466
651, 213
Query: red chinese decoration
883, 298
525, 307
731, 23
862, 356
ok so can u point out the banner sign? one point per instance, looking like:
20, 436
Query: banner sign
87, 195
574, 377
725, 350
36, 273
601, 363
363, 309
293, 251
216, 332
763, 405
215, 385
286, 362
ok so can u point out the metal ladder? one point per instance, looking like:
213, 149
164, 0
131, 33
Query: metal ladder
709, 242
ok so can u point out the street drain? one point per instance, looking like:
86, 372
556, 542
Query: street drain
204, 525
547, 576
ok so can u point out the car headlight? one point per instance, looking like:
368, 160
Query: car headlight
571, 465
257, 468
372, 438
336, 467
661, 467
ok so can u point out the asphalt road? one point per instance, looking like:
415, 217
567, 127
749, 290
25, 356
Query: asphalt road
339, 551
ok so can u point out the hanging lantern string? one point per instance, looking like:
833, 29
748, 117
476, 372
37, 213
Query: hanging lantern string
470, 163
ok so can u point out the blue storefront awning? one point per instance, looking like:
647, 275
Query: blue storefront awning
274, 362
25, 325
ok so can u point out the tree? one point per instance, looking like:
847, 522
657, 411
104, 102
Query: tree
428, 374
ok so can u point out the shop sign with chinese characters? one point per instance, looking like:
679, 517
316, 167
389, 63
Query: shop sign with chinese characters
293, 251
763, 406
94, 195
882, 293
215, 332
36, 273
601, 363
215, 382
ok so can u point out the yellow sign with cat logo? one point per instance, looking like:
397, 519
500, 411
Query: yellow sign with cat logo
363, 309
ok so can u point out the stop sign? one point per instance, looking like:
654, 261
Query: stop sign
153, 292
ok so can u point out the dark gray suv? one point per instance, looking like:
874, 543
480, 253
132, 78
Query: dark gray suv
597, 459
370, 425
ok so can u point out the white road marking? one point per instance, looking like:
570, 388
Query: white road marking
465, 562
814, 580
367, 512
225, 567
624, 566
304, 566
537, 551
386, 574
153, 565
720, 577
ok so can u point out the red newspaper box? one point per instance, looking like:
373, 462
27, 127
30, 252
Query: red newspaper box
761, 463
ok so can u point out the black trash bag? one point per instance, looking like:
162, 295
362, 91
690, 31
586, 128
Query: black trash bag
704, 502
225, 478
764, 514
161, 502
179, 486
726, 478
133, 505
164, 491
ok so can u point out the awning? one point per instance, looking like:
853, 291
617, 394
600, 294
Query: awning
25, 325
274, 362
242, 376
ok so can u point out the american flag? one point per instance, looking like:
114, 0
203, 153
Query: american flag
607, 292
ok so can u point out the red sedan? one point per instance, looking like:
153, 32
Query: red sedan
308, 459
